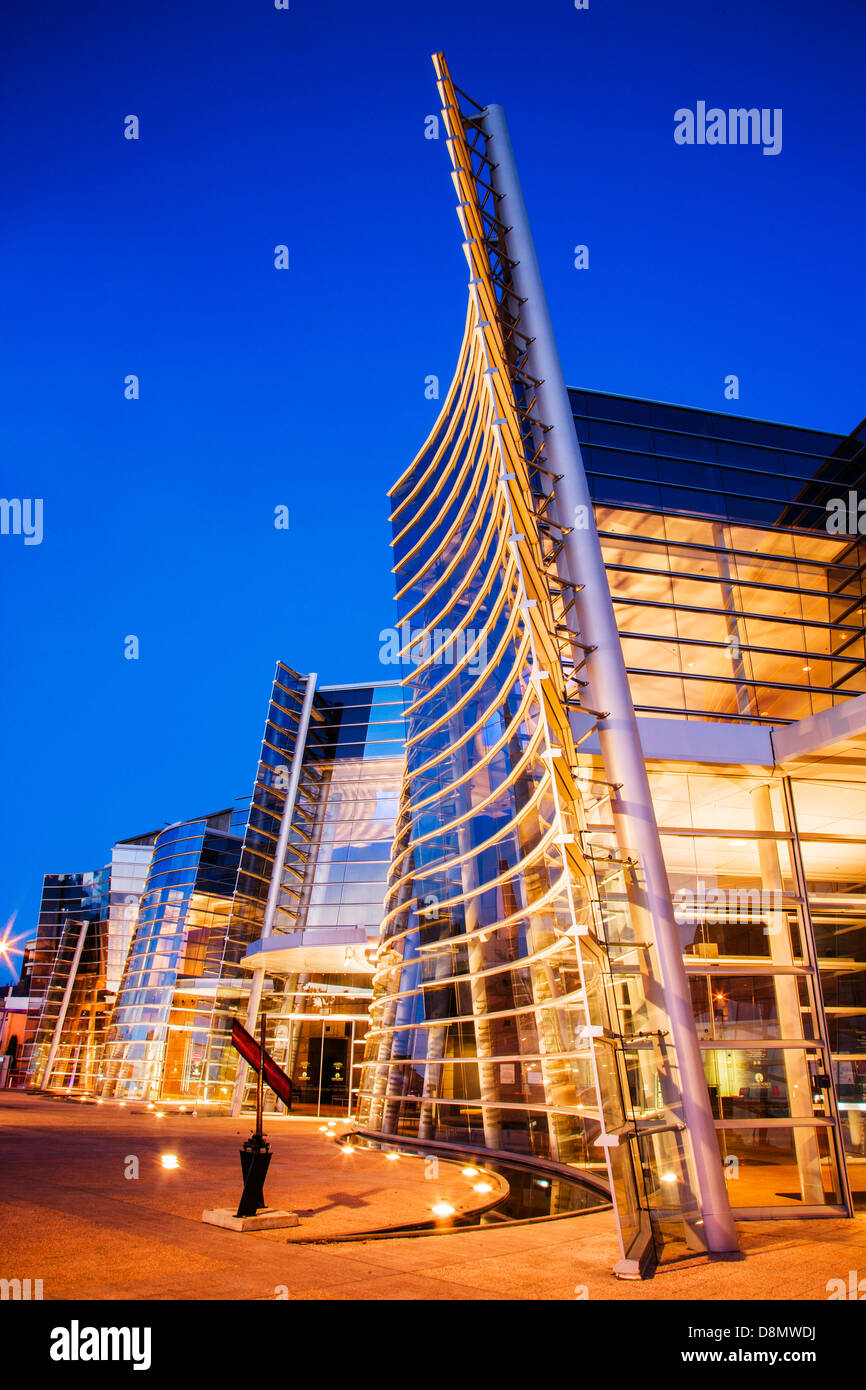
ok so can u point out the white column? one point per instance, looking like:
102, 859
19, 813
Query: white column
608, 682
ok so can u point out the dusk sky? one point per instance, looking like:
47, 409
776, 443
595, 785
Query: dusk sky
304, 387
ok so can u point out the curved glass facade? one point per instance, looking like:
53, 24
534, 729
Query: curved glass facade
490, 990
539, 989
164, 1020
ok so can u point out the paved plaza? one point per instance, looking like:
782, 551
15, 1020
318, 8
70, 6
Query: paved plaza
73, 1218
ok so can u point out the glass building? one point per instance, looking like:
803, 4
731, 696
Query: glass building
587, 884
139, 970
732, 598
624, 922
175, 998
66, 998
294, 862
737, 607
312, 964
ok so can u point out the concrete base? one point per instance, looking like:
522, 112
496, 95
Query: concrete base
265, 1219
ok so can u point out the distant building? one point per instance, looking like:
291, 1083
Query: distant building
139, 969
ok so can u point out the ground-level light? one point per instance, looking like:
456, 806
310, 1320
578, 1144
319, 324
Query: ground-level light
442, 1209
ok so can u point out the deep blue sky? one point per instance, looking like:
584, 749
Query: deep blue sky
306, 387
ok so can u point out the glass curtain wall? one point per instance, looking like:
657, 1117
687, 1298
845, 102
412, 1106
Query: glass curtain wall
752, 610
734, 861
164, 1017
737, 601
128, 870
831, 815
317, 1019
69, 919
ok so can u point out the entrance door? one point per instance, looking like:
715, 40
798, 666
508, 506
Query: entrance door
329, 1067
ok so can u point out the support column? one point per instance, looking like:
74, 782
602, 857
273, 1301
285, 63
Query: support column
608, 689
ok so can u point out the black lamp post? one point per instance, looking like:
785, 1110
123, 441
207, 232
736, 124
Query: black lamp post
256, 1152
